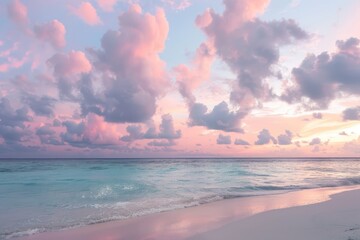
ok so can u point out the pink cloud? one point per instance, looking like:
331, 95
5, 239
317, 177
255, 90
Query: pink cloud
87, 13
4, 67
107, 5
17, 12
92, 132
12, 62
205, 19
249, 46
190, 77
74, 62
135, 75
7, 52
52, 32
235, 14
99, 132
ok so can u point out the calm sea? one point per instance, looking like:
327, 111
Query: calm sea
51, 194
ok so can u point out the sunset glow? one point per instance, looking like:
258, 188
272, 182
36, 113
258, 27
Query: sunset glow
179, 78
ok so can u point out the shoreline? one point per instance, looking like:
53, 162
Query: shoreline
338, 219
194, 221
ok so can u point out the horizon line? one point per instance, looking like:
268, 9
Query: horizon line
74, 158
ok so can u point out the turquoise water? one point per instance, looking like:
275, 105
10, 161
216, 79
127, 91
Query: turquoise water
44, 195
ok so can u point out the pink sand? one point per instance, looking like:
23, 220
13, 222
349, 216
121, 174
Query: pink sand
306, 214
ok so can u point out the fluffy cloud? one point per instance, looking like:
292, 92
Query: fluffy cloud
241, 142
236, 13
319, 78
93, 132
351, 114
17, 12
220, 118
67, 69
107, 5
74, 62
190, 77
285, 139
41, 106
223, 140
47, 135
134, 76
249, 46
264, 137
315, 141
134, 133
12, 122
52, 32
166, 131
87, 13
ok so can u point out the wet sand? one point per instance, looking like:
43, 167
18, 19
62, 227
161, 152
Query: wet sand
325, 213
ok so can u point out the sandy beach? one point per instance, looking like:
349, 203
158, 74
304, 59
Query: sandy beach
337, 219
179, 120
321, 214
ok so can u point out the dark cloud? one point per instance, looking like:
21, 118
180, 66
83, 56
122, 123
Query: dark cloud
264, 137
135, 133
56, 122
10, 116
12, 122
315, 141
285, 139
41, 106
317, 115
319, 78
166, 131
257, 50
241, 142
351, 114
74, 134
47, 135
45, 130
223, 140
343, 133
220, 118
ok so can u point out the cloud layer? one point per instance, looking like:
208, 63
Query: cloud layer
320, 78
128, 77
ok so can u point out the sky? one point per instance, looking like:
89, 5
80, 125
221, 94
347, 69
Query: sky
179, 78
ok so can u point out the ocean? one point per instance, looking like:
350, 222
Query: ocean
38, 195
